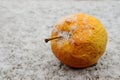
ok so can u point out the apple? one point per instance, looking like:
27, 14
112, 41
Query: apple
78, 40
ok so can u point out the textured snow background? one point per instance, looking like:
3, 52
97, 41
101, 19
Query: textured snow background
25, 23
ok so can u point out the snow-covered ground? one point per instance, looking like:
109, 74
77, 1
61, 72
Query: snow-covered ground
25, 23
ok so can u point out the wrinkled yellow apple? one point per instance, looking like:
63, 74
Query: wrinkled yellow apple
81, 40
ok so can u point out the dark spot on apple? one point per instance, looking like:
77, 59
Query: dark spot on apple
75, 44
68, 22
93, 28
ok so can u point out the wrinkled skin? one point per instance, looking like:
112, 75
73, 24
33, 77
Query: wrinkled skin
83, 43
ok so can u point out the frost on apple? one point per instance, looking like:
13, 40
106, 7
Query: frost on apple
72, 28
59, 44
55, 30
88, 28
90, 32
65, 35
61, 21
71, 18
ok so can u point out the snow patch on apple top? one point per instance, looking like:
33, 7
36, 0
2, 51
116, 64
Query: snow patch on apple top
59, 44
65, 35
60, 22
72, 28
55, 30
71, 18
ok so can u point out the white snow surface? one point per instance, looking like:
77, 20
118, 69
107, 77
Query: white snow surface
65, 35
24, 24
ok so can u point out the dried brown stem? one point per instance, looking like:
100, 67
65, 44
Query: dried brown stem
49, 39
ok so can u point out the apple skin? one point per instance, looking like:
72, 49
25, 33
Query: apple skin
83, 41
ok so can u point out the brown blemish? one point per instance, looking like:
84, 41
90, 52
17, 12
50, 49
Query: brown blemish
92, 28
68, 22
75, 44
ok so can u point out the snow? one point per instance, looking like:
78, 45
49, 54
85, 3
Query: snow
24, 24
72, 28
59, 44
71, 18
60, 21
65, 35
55, 30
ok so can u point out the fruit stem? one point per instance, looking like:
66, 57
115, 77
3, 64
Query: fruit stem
49, 39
